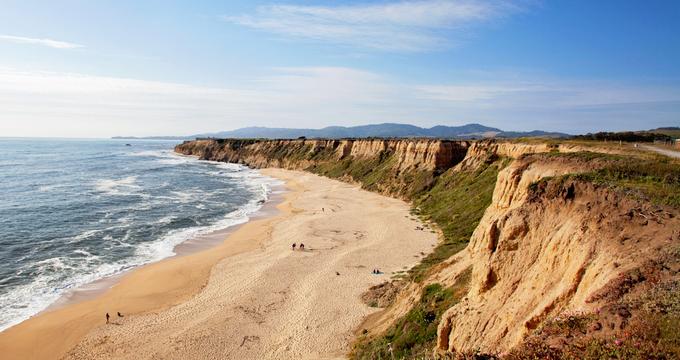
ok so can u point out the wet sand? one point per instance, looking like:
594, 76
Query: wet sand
249, 297
189, 247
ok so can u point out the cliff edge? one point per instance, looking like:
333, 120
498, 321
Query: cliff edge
532, 234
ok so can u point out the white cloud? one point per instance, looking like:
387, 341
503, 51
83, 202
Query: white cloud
549, 94
62, 104
400, 26
43, 42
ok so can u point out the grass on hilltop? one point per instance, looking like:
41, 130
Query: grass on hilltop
648, 177
657, 181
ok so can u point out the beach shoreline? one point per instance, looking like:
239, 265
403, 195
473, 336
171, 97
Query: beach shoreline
217, 301
33, 338
194, 245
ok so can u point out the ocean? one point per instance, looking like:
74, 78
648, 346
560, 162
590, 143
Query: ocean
75, 211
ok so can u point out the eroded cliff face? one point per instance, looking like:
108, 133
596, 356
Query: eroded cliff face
299, 154
542, 250
543, 246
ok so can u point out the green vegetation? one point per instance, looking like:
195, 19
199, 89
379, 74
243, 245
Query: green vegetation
377, 174
673, 132
456, 204
415, 334
648, 335
454, 200
628, 136
582, 156
650, 177
294, 152
637, 317
658, 181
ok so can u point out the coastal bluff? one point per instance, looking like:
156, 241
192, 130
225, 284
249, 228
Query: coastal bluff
426, 154
395, 167
545, 248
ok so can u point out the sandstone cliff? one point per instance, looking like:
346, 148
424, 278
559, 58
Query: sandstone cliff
541, 251
299, 154
545, 241
395, 167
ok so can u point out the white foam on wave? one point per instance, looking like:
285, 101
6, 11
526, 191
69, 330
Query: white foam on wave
165, 157
186, 196
164, 247
148, 153
166, 220
173, 161
86, 253
86, 234
47, 188
27, 300
31, 298
121, 187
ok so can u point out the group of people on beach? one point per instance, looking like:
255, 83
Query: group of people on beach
377, 271
302, 246
108, 316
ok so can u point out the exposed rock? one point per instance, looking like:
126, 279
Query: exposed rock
544, 246
382, 295
301, 153
566, 255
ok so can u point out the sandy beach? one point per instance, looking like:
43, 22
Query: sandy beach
251, 296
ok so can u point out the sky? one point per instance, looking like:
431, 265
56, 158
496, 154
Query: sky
79, 68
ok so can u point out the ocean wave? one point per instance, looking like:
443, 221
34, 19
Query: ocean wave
173, 161
186, 196
148, 153
121, 187
85, 235
48, 188
118, 234
165, 157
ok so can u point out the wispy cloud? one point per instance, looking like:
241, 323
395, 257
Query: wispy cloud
43, 42
548, 94
468, 93
402, 26
63, 104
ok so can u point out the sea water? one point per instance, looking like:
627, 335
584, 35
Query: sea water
75, 211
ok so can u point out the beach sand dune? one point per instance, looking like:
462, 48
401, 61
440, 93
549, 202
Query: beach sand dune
274, 303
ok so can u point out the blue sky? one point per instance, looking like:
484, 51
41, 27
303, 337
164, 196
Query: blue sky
104, 68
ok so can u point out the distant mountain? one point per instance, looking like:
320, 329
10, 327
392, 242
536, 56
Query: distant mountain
152, 137
672, 131
534, 133
379, 130
386, 130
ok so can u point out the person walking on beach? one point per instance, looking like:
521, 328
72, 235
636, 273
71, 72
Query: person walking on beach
107, 318
294, 244
302, 247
